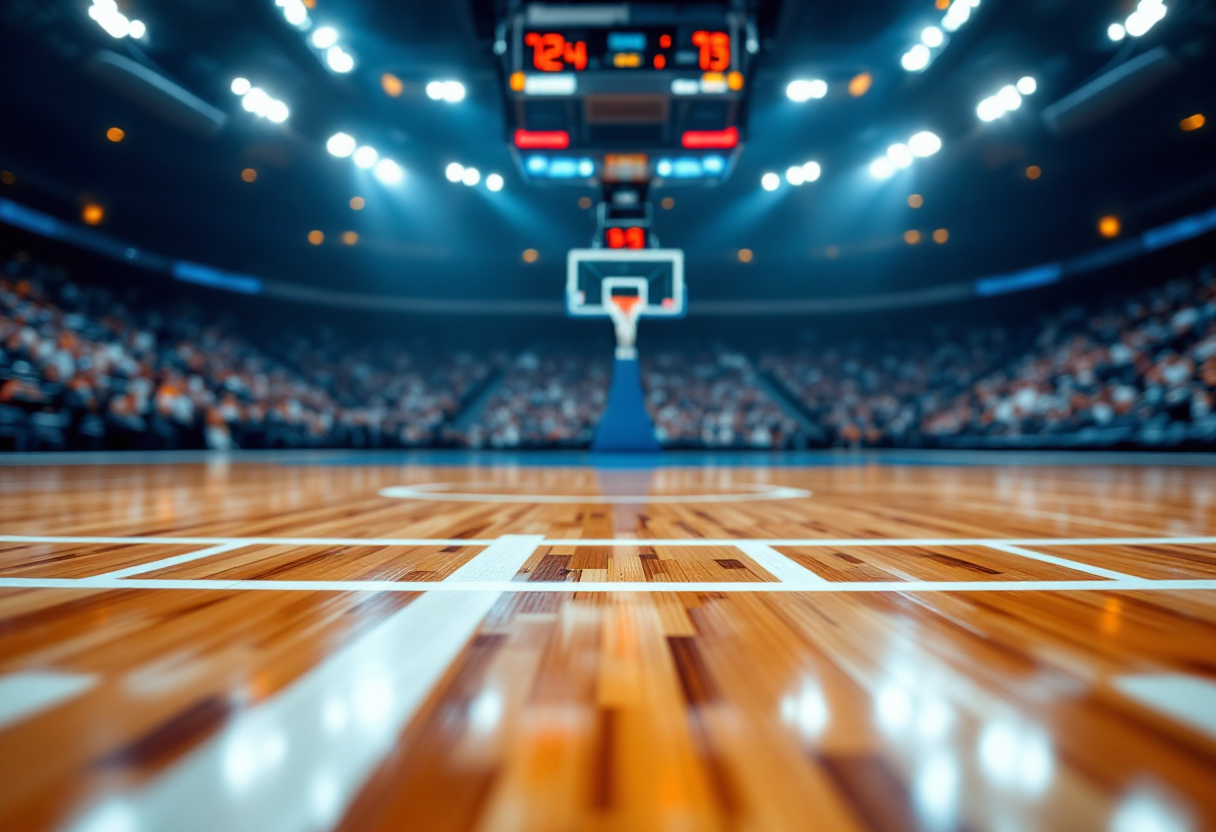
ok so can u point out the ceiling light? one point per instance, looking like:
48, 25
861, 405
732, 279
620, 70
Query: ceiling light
256, 101
453, 92
770, 181
341, 145
794, 175
389, 172
811, 171
924, 144
366, 156
295, 13
494, 182
916, 58
1009, 97
339, 60
471, 176
989, 109
324, 37
804, 90
240, 86
1027, 85
277, 111
1116, 32
882, 168
137, 29
932, 37
454, 172
434, 90
900, 155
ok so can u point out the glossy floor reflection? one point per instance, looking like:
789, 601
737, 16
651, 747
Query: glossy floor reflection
256, 646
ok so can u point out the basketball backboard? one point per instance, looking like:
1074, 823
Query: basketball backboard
654, 275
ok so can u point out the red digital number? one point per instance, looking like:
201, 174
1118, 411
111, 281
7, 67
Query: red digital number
552, 53
625, 237
715, 50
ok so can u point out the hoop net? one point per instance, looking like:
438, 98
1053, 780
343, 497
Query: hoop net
624, 311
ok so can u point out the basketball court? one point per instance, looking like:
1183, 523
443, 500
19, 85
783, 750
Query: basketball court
844, 642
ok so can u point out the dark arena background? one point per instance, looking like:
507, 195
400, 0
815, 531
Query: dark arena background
493, 415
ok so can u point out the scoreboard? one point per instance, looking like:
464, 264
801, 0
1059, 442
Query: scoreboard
654, 48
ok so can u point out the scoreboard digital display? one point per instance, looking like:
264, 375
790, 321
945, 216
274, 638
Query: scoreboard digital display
649, 48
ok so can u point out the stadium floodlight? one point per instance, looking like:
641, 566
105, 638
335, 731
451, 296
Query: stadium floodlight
137, 29
932, 37
256, 101
277, 111
324, 37
339, 60
794, 175
802, 90
454, 172
882, 168
240, 86
770, 181
389, 172
924, 144
341, 145
494, 182
471, 176
916, 58
1116, 32
900, 155
811, 171
1027, 85
366, 156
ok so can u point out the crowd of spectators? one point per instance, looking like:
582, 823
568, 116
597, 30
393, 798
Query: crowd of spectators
714, 399
1138, 371
79, 369
82, 369
545, 401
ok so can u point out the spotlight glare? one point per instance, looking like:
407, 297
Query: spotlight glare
1009, 97
256, 101
770, 181
339, 60
324, 37
277, 112
989, 109
341, 145
240, 86
389, 172
811, 171
924, 144
882, 168
471, 176
1116, 32
802, 90
366, 156
454, 172
494, 182
453, 92
137, 29
794, 175
916, 58
434, 90
932, 37
900, 155
1027, 85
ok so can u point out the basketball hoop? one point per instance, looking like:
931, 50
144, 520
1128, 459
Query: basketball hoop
624, 311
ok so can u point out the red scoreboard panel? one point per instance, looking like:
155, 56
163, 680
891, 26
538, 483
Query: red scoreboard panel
636, 48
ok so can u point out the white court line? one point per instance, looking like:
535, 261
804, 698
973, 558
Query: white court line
140, 569
445, 587
26, 693
1188, 699
624, 541
782, 567
1070, 564
295, 762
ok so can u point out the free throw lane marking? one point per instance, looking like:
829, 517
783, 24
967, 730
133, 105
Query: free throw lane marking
27, 693
143, 568
1188, 699
1069, 564
782, 567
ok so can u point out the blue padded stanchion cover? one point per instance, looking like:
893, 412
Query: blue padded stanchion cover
626, 425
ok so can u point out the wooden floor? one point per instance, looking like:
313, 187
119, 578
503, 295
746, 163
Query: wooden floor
277, 646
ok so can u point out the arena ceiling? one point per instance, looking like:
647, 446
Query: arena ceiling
182, 193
